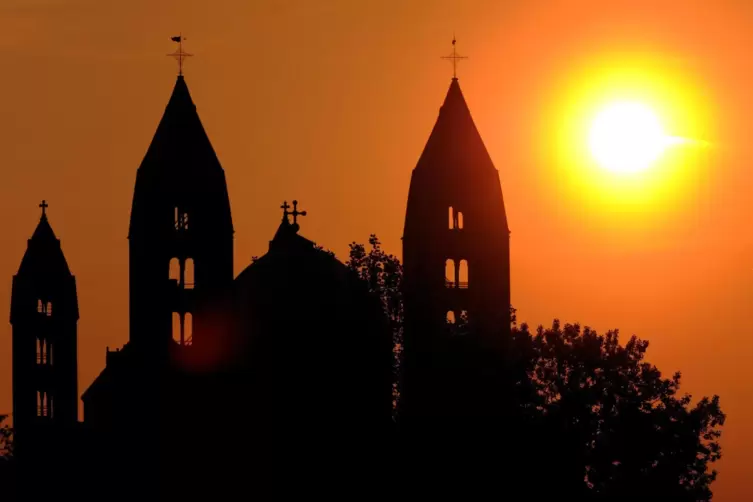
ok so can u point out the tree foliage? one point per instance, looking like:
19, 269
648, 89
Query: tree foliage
614, 420
7, 462
597, 417
6, 439
383, 273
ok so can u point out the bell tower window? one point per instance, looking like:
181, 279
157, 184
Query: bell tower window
188, 272
450, 317
44, 351
449, 273
455, 219
44, 308
175, 270
187, 328
462, 280
182, 328
181, 219
44, 404
176, 327
182, 272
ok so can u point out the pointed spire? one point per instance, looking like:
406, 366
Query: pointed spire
455, 142
43, 253
180, 140
180, 159
44, 230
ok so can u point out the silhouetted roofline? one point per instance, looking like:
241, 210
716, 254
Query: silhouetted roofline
43, 251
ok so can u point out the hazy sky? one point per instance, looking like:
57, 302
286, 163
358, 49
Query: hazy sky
331, 101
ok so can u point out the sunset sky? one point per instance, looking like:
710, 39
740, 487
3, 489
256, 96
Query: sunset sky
331, 102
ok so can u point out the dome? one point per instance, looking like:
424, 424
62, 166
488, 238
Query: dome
311, 333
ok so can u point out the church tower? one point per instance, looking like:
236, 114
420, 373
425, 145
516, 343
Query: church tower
181, 232
44, 316
456, 254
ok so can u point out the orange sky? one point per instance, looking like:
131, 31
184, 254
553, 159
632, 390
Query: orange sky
331, 102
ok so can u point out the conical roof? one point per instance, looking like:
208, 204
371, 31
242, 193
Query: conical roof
180, 135
43, 257
180, 163
455, 143
43, 232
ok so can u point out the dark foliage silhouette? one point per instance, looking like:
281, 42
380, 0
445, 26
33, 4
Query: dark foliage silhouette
383, 273
6, 439
7, 461
614, 420
603, 422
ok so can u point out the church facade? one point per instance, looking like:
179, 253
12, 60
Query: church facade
232, 355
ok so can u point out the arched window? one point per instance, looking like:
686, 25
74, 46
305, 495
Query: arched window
450, 317
175, 270
181, 218
44, 307
455, 219
40, 351
188, 279
463, 274
188, 328
49, 353
43, 408
176, 327
449, 273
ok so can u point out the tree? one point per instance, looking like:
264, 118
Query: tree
593, 415
6, 439
384, 274
7, 463
615, 421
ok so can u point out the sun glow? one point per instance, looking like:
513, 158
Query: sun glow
632, 141
627, 137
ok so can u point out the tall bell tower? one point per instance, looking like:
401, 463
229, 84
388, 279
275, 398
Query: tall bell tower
44, 316
181, 231
456, 253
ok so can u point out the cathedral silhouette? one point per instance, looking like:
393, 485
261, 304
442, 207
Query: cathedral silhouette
293, 354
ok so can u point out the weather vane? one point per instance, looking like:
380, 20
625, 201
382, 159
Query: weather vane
454, 57
179, 55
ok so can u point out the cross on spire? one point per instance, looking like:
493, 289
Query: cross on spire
179, 54
44, 207
295, 213
285, 206
454, 57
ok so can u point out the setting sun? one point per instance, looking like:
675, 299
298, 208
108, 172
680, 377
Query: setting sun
627, 137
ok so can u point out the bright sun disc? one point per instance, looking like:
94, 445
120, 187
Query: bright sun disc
627, 137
